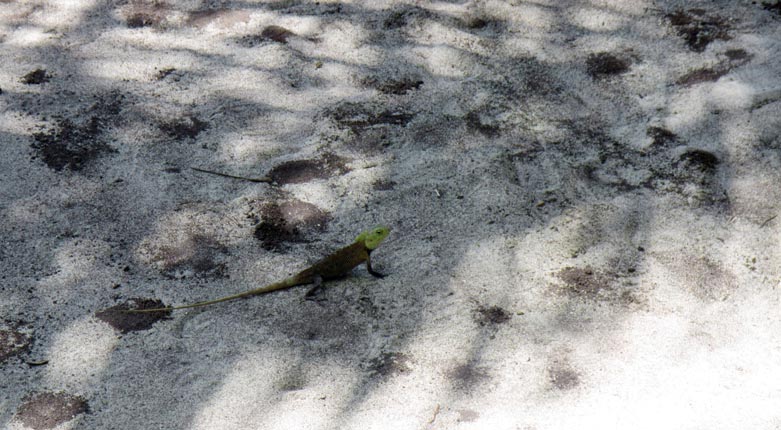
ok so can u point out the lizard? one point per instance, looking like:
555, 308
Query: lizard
334, 266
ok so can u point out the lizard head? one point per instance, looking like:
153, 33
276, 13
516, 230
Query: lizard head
372, 238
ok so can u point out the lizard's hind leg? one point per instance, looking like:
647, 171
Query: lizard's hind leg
310, 295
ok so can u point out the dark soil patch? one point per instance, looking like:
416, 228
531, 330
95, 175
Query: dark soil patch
589, 284
73, 143
476, 121
493, 315
585, 281
734, 58
661, 136
127, 322
699, 29
196, 254
467, 376
384, 185
396, 20
69, 145
292, 381
399, 87
372, 141
404, 16
700, 160
536, 77
144, 13
773, 7
276, 33
390, 363
48, 410
358, 117
702, 75
600, 160
738, 55
605, 64
562, 377
706, 279
302, 171
299, 171
250, 40
13, 342
382, 118
36, 77
475, 22
697, 167
186, 128
287, 222
393, 86
273, 33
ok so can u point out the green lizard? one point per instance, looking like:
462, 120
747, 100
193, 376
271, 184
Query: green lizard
334, 266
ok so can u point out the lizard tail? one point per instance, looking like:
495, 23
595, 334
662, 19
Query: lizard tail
287, 283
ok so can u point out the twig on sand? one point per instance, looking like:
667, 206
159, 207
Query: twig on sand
434, 415
263, 179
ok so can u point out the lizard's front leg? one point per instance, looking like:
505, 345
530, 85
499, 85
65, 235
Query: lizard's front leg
372, 271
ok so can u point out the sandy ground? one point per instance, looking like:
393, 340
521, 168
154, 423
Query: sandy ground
583, 197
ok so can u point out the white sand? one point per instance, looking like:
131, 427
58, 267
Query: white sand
570, 249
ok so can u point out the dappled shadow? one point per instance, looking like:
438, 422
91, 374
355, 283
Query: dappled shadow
522, 171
